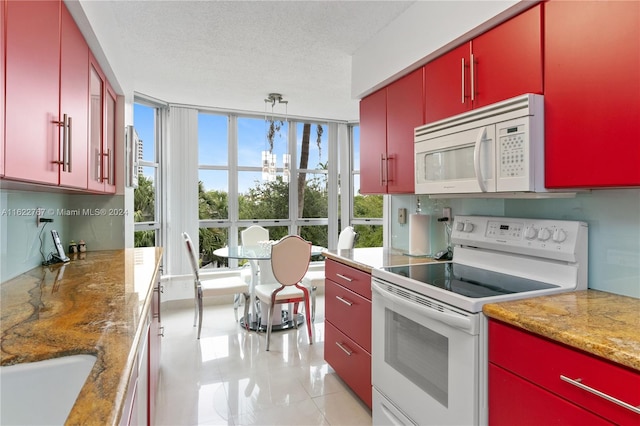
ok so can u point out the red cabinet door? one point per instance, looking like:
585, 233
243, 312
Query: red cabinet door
155, 343
3, 4
447, 85
405, 112
592, 94
96, 172
74, 100
349, 360
350, 311
373, 142
32, 90
110, 129
515, 401
504, 62
508, 59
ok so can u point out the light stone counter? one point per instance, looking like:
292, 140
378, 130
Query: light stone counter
367, 259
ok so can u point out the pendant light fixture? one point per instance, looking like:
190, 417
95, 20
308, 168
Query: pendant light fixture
272, 127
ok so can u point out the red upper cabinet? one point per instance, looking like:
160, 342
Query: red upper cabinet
373, 142
387, 121
32, 90
102, 110
592, 94
3, 4
405, 112
504, 62
74, 102
46, 95
447, 84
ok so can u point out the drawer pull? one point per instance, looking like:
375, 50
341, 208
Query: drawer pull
345, 301
345, 350
344, 277
578, 383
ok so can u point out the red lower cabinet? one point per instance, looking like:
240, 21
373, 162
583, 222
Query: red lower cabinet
535, 381
515, 401
349, 360
347, 346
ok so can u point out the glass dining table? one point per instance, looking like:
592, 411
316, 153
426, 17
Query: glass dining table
283, 320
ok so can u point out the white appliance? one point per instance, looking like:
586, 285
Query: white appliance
429, 339
497, 148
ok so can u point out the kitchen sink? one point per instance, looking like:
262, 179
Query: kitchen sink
42, 392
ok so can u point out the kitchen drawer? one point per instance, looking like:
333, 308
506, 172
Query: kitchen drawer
543, 362
351, 278
515, 401
349, 360
349, 312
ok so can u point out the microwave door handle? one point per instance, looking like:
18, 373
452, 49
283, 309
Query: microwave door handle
476, 159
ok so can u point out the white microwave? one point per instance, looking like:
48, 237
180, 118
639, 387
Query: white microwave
497, 148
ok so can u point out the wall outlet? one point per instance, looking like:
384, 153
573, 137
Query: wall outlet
402, 215
446, 212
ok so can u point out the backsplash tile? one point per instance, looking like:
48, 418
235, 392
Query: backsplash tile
614, 228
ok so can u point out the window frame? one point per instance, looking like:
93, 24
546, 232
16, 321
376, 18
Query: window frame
160, 120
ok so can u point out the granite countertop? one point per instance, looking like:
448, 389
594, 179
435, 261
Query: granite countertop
597, 322
367, 259
93, 305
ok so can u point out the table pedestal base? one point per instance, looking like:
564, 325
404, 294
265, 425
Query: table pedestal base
287, 323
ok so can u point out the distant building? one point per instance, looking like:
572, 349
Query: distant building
139, 153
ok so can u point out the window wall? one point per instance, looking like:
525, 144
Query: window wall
234, 192
315, 195
147, 196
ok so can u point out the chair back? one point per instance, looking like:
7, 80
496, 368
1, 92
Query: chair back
347, 238
253, 234
191, 254
290, 259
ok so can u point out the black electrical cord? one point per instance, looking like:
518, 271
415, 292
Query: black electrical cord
45, 261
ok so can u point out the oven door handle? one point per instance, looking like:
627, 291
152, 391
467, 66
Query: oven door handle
458, 321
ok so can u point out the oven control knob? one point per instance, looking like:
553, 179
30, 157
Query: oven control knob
559, 235
468, 227
530, 233
544, 234
459, 226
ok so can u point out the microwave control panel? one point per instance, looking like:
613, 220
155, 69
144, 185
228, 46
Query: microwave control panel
512, 151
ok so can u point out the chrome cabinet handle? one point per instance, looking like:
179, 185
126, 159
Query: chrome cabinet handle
472, 76
161, 332
108, 168
578, 383
387, 178
381, 170
345, 350
345, 301
462, 79
69, 140
65, 144
344, 277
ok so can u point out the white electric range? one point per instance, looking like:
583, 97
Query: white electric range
429, 339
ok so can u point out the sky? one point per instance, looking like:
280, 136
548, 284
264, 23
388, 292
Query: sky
213, 149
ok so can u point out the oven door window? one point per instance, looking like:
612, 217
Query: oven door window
419, 354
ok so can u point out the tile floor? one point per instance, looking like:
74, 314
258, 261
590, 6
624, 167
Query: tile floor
227, 378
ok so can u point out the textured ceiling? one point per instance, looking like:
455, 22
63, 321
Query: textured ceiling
231, 54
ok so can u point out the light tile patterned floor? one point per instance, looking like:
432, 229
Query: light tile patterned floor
227, 378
